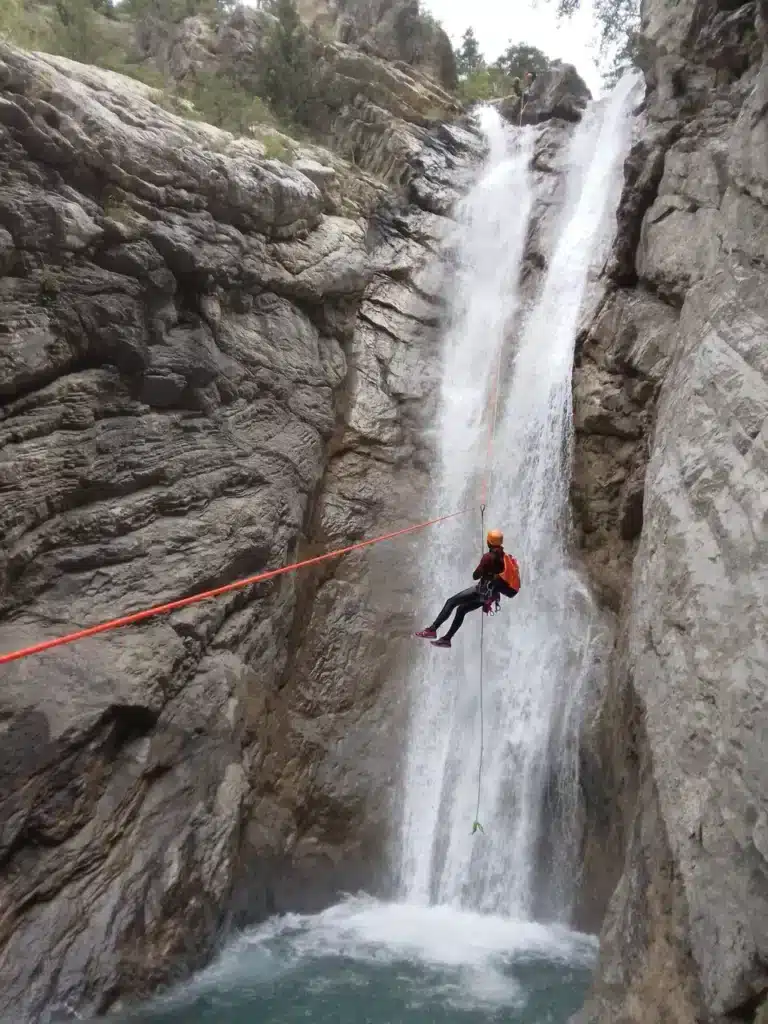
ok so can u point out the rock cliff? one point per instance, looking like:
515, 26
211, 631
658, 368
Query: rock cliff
557, 93
368, 109
211, 363
670, 493
397, 30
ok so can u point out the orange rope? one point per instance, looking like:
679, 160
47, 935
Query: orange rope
183, 602
172, 606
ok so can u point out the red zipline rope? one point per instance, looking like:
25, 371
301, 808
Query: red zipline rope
183, 602
172, 606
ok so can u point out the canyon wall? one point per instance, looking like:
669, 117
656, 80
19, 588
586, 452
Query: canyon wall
670, 493
211, 364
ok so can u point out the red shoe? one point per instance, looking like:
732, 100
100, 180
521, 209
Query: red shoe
442, 642
427, 634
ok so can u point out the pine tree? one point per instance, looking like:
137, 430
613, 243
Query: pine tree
468, 56
287, 64
74, 30
517, 59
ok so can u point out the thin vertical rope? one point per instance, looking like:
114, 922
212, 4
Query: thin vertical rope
476, 826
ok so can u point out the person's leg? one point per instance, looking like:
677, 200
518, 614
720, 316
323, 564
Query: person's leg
470, 603
451, 604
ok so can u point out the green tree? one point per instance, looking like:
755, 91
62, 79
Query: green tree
624, 57
11, 12
221, 100
519, 58
487, 83
619, 21
468, 56
174, 11
75, 32
287, 74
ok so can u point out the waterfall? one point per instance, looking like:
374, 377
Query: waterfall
493, 221
539, 650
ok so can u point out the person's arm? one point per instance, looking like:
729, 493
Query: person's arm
484, 567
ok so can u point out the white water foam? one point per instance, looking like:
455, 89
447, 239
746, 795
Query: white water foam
539, 651
493, 220
466, 957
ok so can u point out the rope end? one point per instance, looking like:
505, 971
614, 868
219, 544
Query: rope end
477, 827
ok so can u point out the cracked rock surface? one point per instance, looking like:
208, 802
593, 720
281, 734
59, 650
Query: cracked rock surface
670, 492
209, 367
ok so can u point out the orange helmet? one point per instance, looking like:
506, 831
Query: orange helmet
495, 538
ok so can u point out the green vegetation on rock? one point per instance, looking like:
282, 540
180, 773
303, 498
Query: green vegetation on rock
172, 12
94, 32
222, 101
270, 89
619, 23
9, 17
481, 81
287, 65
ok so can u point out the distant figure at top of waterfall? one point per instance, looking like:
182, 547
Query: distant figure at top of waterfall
497, 572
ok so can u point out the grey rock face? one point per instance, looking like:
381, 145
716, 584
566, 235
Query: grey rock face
373, 112
396, 30
671, 501
620, 366
203, 375
559, 92
697, 640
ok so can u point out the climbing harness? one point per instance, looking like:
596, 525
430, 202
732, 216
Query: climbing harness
490, 597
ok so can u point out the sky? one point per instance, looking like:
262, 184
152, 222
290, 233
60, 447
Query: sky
499, 22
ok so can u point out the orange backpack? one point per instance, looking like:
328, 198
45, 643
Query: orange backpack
511, 574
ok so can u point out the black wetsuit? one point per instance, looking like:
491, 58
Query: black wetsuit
469, 600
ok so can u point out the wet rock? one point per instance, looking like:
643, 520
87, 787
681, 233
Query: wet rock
748, 149
396, 31
696, 652
556, 93
373, 102
671, 528
211, 365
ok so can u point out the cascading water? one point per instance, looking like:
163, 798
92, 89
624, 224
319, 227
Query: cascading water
494, 221
472, 959
538, 651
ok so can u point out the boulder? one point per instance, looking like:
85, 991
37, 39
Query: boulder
558, 92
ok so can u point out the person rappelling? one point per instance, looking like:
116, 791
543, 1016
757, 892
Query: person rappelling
522, 90
497, 573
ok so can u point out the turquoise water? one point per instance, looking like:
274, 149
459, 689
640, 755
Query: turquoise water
365, 962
